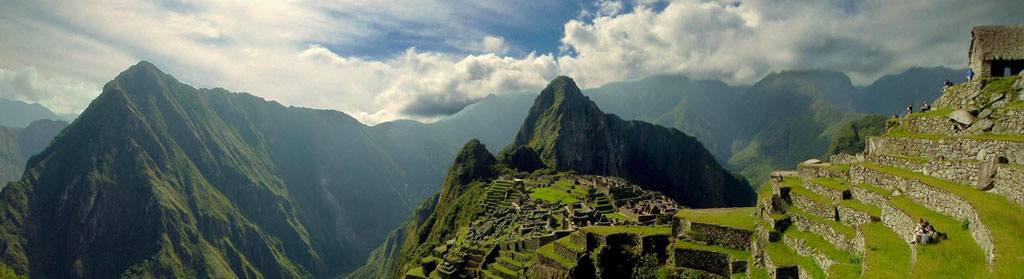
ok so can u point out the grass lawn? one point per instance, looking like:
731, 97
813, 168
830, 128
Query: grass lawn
847, 231
957, 257
736, 217
549, 251
616, 215
871, 210
872, 188
831, 183
1004, 218
553, 195
888, 255
934, 112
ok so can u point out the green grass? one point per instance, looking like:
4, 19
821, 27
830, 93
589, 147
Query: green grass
956, 257
872, 188
757, 272
737, 217
985, 136
847, 231
642, 231
736, 254
503, 268
832, 183
871, 210
887, 255
791, 182
418, 271
549, 251
553, 196
1004, 218
783, 256
565, 241
811, 195
825, 247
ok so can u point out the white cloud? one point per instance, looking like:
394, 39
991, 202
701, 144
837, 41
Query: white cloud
289, 50
59, 94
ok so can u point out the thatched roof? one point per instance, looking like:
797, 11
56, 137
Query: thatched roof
999, 42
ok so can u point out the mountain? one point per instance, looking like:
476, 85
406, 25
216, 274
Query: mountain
569, 132
159, 179
892, 93
19, 114
852, 136
18, 144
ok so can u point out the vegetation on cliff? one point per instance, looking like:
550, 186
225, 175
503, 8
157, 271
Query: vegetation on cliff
852, 136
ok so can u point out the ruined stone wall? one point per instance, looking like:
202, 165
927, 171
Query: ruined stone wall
714, 262
898, 221
868, 197
853, 217
807, 204
1008, 181
839, 240
938, 201
929, 125
961, 96
547, 268
942, 148
825, 191
1011, 122
801, 247
732, 238
811, 171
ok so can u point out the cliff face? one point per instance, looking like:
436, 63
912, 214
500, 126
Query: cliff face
570, 132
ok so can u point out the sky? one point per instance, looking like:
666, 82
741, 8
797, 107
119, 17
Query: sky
425, 59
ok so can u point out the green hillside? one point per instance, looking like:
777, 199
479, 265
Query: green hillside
18, 144
852, 136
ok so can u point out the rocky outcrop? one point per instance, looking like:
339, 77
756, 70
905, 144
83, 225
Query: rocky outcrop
570, 133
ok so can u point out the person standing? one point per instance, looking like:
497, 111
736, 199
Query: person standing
970, 74
910, 109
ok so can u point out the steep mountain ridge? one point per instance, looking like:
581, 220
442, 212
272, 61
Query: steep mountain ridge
217, 184
569, 132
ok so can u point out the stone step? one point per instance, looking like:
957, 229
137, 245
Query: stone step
714, 259
1006, 179
823, 170
853, 213
839, 235
782, 262
826, 256
833, 189
813, 203
994, 222
981, 148
887, 255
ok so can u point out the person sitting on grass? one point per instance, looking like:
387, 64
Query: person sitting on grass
919, 232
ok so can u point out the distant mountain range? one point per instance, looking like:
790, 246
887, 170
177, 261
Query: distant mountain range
19, 114
222, 182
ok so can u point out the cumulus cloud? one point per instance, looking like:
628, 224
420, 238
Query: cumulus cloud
305, 53
59, 94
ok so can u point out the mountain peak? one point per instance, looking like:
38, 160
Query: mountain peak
562, 86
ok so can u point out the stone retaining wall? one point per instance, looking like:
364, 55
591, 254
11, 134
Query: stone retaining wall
563, 251
1011, 122
930, 125
815, 171
544, 269
853, 217
779, 272
947, 148
729, 237
939, 201
710, 261
839, 240
801, 247
827, 211
846, 159
1008, 181
825, 191
868, 197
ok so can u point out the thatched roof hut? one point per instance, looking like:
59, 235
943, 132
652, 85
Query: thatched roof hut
995, 48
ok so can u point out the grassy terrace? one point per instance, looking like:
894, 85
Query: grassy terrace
549, 251
832, 183
756, 273
957, 257
792, 182
737, 217
887, 256
985, 136
783, 256
736, 254
871, 210
847, 232
1004, 218
552, 195
842, 168
872, 188
643, 231
800, 190
418, 271
934, 112
615, 215
568, 244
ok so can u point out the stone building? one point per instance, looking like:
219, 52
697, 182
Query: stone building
994, 48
